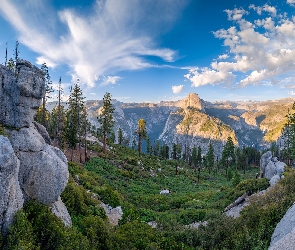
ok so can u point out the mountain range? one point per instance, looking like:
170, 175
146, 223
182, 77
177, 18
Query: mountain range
194, 121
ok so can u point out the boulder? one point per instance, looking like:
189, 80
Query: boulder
284, 231
11, 198
26, 140
43, 175
269, 166
264, 160
60, 210
270, 170
274, 180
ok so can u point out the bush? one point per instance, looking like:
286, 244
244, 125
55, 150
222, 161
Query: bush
250, 186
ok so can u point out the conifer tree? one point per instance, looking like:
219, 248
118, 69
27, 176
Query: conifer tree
48, 90
141, 133
228, 153
120, 136
210, 158
194, 156
199, 156
74, 116
106, 119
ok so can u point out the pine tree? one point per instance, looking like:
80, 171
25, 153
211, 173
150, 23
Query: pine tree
210, 158
48, 90
120, 136
74, 117
228, 153
141, 132
194, 156
199, 156
106, 119
149, 147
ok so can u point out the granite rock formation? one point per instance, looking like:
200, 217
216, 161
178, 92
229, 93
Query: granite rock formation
30, 168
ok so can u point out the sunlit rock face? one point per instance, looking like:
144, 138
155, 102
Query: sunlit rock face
30, 168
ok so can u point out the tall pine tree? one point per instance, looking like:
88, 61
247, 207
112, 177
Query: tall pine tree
106, 119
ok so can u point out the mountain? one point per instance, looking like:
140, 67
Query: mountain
194, 121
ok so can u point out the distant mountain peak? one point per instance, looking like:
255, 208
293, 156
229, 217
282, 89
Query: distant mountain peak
192, 101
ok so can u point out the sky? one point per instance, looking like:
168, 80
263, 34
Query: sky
156, 50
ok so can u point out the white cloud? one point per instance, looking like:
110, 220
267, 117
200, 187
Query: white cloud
267, 8
177, 89
223, 56
235, 14
291, 2
107, 80
291, 92
260, 52
113, 36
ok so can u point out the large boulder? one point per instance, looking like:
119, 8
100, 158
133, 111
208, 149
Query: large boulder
43, 175
264, 160
270, 166
11, 198
284, 234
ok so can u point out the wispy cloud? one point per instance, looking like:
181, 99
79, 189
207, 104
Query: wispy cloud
262, 51
116, 35
107, 80
177, 89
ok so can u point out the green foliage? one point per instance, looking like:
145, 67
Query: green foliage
35, 227
21, 233
236, 179
253, 185
2, 130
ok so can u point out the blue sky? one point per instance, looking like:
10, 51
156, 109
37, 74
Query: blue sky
153, 50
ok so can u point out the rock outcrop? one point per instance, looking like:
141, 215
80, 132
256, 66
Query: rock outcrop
11, 198
271, 168
30, 168
284, 234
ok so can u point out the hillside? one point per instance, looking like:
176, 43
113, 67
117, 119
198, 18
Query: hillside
152, 220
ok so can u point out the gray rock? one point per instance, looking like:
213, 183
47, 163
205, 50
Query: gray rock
285, 228
274, 180
280, 167
60, 210
264, 160
11, 199
270, 170
43, 132
285, 243
43, 175
26, 140
20, 94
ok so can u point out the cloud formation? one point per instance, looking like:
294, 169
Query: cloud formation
261, 51
177, 89
114, 36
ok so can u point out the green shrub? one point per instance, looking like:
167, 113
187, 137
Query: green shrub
21, 234
253, 185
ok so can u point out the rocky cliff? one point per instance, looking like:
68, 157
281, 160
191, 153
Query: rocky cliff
30, 168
